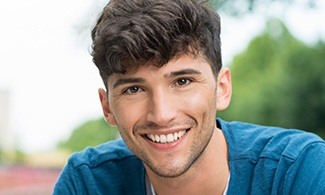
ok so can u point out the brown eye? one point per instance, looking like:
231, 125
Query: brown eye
132, 90
182, 81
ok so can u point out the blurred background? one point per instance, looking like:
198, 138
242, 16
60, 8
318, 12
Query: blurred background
49, 105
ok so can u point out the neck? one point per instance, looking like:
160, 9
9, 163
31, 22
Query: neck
208, 175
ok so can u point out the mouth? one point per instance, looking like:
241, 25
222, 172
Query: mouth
166, 138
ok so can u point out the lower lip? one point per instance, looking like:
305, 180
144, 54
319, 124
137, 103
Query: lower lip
166, 146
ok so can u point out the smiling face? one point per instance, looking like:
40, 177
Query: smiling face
166, 115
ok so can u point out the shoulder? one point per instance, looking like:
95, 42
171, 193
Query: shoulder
110, 168
266, 159
308, 172
252, 141
107, 152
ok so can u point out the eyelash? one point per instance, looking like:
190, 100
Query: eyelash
176, 84
188, 81
127, 90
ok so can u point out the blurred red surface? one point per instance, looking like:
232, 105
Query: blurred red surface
15, 180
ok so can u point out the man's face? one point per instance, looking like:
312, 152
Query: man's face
166, 115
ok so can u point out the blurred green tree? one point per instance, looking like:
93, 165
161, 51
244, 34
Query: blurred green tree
91, 133
279, 80
240, 7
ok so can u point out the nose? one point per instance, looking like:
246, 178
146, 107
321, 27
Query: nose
162, 108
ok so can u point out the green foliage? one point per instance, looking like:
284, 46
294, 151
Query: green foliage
12, 157
91, 133
239, 7
280, 81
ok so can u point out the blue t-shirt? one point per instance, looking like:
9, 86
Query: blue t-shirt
262, 160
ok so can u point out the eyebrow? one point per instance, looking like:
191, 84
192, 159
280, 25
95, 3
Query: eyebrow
182, 72
123, 81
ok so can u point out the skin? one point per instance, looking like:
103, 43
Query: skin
182, 95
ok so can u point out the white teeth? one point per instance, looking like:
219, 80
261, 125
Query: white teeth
152, 137
175, 136
163, 138
157, 138
171, 137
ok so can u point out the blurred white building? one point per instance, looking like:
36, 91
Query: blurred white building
6, 135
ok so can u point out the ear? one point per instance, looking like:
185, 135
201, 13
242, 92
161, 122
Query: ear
224, 89
109, 116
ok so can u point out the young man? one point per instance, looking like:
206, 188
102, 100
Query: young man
160, 61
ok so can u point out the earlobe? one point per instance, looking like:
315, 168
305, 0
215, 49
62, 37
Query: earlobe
224, 89
109, 116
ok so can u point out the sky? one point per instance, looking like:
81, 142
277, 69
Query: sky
46, 67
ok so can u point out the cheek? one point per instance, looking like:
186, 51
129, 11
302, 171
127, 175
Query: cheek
127, 115
200, 100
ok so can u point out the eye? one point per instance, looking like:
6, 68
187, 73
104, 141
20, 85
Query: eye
132, 90
182, 82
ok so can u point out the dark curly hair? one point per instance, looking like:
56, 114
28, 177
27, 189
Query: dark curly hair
130, 33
